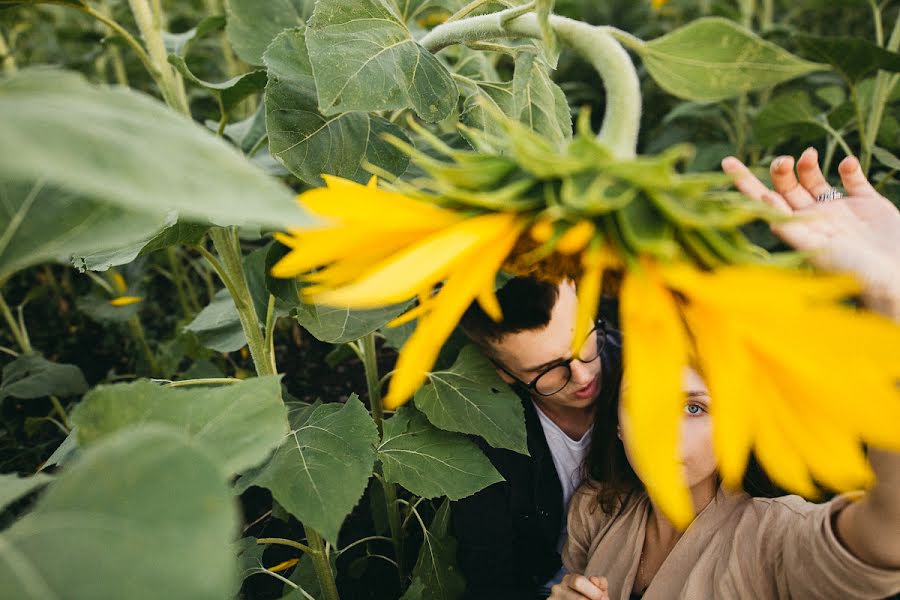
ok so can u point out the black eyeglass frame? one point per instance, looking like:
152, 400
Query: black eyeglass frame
599, 328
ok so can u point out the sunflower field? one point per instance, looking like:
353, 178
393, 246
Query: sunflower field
237, 237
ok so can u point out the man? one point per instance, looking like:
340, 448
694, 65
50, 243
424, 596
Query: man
510, 534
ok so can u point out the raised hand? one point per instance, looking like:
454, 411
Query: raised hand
859, 233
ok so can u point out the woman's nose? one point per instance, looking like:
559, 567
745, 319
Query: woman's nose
582, 373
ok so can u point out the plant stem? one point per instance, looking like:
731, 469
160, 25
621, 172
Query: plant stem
207, 381
884, 83
370, 363
322, 565
283, 542
231, 270
58, 407
621, 122
7, 60
178, 280
149, 23
19, 336
876, 17
137, 331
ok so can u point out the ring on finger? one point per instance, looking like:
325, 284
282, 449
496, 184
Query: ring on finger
829, 195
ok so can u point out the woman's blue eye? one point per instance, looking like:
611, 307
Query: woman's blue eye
694, 410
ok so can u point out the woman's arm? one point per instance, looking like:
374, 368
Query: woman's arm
860, 234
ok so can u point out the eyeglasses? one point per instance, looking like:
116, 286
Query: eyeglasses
557, 376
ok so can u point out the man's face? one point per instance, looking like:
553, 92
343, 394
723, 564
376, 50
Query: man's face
527, 353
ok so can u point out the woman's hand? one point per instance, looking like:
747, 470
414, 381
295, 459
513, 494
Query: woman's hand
579, 587
859, 233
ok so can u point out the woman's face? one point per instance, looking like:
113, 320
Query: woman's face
696, 447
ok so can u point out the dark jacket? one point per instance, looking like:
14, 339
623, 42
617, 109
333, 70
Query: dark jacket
508, 533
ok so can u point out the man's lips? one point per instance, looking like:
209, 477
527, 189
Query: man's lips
590, 390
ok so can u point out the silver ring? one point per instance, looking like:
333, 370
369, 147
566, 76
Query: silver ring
831, 194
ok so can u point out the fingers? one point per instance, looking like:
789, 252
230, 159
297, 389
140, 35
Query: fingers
744, 180
853, 179
752, 187
600, 582
786, 184
810, 174
578, 587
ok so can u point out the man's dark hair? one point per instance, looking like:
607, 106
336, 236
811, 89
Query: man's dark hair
526, 303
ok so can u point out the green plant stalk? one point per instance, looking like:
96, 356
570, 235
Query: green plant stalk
207, 381
178, 280
6, 58
283, 542
20, 336
227, 245
58, 407
373, 383
322, 565
884, 83
149, 23
137, 331
621, 122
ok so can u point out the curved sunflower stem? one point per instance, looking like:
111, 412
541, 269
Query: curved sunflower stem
19, 334
370, 363
7, 60
150, 23
621, 122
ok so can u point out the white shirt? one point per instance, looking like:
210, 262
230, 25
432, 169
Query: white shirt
568, 455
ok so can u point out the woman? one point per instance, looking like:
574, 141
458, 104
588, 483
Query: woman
621, 547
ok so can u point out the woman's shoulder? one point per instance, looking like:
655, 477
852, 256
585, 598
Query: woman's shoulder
589, 505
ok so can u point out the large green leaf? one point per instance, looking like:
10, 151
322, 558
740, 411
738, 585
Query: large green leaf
470, 397
321, 469
127, 149
253, 24
239, 424
338, 325
714, 58
310, 144
13, 487
430, 462
33, 376
230, 92
174, 234
40, 223
787, 116
854, 58
436, 575
379, 66
143, 515
538, 102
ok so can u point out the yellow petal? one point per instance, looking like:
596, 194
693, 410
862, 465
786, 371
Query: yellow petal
472, 275
487, 299
655, 353
727, 371
542, 230
119, 282
419, 266
576, 237
125, 300
588, 288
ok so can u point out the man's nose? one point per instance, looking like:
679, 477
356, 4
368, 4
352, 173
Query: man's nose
582, 373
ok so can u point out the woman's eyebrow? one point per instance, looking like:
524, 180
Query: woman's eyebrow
697, 394
544, 365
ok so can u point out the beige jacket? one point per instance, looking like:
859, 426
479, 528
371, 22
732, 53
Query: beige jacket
738, 547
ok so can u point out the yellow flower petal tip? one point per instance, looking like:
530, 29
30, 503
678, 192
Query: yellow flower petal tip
283, 566
125, 300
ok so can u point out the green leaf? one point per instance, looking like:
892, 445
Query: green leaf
309, 144
238, 424
229, 92
854, 58
470, 397
33, 376
143, 515
320, 471
714, 58
430, 462
787, 116
180, 43
550, 44
13, 487
40, 223
379, 65
538, 102
98, 307
886, 158
127, 149
338, 325
253, 24
249, 555
436, 575
173, 234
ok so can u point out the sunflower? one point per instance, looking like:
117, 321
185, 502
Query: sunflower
775, 347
